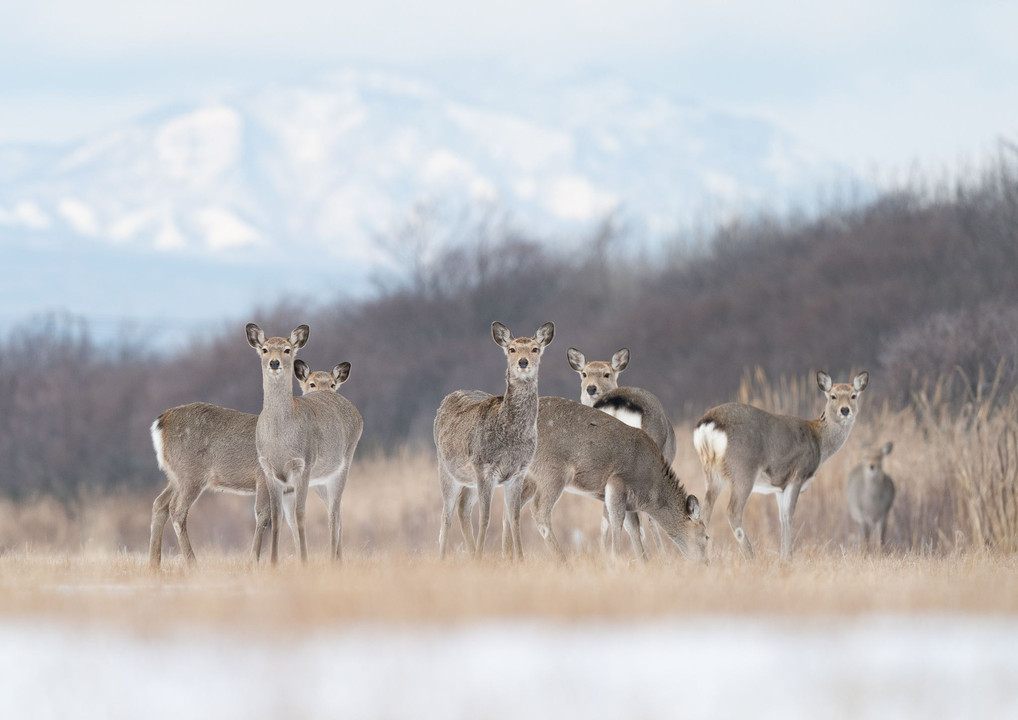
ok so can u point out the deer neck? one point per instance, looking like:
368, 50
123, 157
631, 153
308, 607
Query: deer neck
277, 396
520, 401
832, 435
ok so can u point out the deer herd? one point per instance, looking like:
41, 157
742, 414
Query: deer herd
616, 445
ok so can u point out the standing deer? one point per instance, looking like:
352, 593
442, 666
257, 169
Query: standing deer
634, 406
301, 441
488, 440
756, 451
870, 494
205, 447
585, 451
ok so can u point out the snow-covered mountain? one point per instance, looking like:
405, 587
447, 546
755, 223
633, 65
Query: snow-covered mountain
335, 161
324, 167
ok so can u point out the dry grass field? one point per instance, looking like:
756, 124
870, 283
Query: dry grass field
952, 541
926, 628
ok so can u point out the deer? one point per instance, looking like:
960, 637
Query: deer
634, 406
588, 452
754, 451
870, 494
320, 379
301, 442
202, 447
485, 440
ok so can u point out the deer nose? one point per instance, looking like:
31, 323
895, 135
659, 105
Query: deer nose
524, 363
274, 364
846, 411
592, 390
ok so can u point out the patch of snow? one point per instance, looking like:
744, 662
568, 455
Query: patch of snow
717, 667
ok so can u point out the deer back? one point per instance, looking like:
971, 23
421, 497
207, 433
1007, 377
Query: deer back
642, 409
757, 441
207, 445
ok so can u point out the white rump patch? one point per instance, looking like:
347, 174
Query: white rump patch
629, 417
157, 443
710, 441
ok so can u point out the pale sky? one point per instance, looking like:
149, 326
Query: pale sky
877, 86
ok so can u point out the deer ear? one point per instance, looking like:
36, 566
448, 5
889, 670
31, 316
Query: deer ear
620, 360
824, 381
861, 381
300, 369
341, 372
576, 359
500, 334
299, 337
693, 507
887, 448
255, 336
545, 333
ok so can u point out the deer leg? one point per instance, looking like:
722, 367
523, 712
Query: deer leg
465, 501
710, 496
736, 508
485, 491
513, 506
787, 499
543, 505
275, 493
179, 505
633, 527
615, 504
160, 514
333, 500
450, 497
263, 518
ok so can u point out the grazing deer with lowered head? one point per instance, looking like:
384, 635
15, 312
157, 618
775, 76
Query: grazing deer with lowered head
301, 441
870, 494
206, 447
488, 440
634, 406
755, 451
585, 451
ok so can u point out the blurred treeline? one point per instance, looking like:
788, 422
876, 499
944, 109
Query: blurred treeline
914, 285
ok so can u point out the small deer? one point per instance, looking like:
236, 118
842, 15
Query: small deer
320, 379
206, 447
488, 440
755, 451
588, 452
634, 406
870, 494
301, 441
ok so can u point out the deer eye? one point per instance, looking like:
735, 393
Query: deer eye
583, 374
854, 396
265, 351
286, 351
535, 350
332, 387
607, 375
834, 397
311, 385
512, 350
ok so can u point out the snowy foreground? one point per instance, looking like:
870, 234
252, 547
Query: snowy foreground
701, 667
